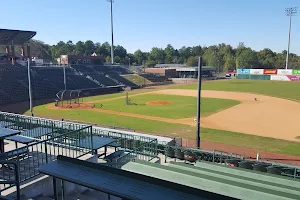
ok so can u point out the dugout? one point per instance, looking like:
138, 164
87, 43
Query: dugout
192, 72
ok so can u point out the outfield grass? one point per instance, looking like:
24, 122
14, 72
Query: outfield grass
179, 107
120, 94
175, 130
251, 141
282, 89
144, 125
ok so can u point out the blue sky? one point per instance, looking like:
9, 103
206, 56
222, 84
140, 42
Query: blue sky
142, 24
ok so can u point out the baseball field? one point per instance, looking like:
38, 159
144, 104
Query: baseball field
260, 115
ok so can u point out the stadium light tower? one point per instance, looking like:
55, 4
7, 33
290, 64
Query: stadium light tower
289, 12
112, 31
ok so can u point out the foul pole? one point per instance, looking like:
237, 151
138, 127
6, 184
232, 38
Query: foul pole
199, 101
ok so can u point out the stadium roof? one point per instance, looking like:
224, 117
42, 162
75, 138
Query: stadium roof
15, 37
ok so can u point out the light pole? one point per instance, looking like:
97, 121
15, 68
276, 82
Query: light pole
112, 31
200, 62
289, 12
29, 87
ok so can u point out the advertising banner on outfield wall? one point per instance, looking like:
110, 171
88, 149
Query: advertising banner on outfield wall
294, 78
270, 71
296, 72
243, 71
284, 71
257, 71
279, 78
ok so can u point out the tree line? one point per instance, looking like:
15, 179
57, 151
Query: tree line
222, 56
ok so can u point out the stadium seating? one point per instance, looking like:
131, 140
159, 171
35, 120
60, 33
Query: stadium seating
154, 78
95, 75
112, 69
121, 80
47, 81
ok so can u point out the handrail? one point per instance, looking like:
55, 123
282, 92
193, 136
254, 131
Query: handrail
16, 180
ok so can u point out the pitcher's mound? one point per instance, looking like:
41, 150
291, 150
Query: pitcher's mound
158, 102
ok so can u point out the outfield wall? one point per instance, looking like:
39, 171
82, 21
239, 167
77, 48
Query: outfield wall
269, 74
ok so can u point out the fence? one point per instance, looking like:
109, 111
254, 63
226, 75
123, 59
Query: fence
29, 158
140, 144
12, 176
22, 122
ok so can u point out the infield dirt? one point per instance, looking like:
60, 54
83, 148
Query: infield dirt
267, 116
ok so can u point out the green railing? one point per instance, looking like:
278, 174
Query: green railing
30, 158
22, 122
141, 144
11, 177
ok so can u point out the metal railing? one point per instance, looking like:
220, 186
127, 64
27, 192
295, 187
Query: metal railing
141, 144
23, 122
29, 158
9, 177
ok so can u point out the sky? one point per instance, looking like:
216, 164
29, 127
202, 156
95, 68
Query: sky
143, 24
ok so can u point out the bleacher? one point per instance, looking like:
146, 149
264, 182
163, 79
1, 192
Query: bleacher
47, 81
121, 80
112, 69
154, 78
96, 75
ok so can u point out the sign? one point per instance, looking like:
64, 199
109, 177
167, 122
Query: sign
279, 78
284, 71
257, 71
243, 71
270, 71
294, 78
296, 72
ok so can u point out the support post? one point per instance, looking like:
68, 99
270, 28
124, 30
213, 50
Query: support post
28, 53
54, 189
65, 80
13, 56
62, 189
199, 101
29, 86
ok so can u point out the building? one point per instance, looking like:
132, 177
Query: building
192, 72
169, 73
78, 59
12, 38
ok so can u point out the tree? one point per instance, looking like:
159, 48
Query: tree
157, 56
108, 59
192, 61
139, 56
185, 53
120, 51
247, 58
170, 54
89, 48
79, 48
